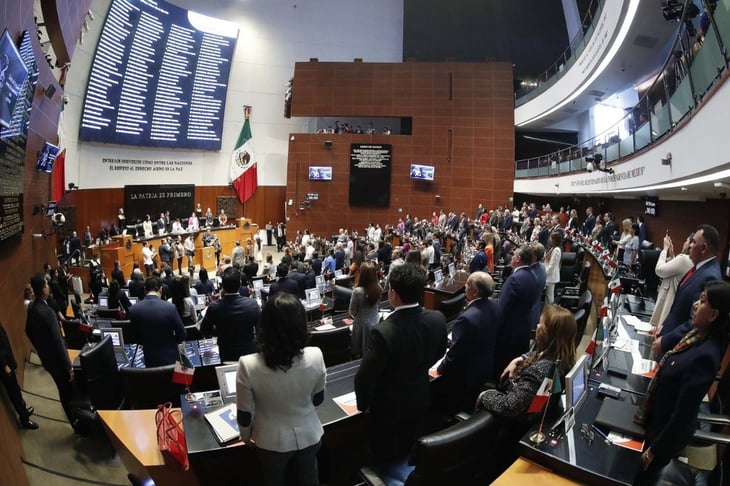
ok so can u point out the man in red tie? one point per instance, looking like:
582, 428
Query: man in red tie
703, 253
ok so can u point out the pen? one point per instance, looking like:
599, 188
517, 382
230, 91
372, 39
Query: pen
600, 432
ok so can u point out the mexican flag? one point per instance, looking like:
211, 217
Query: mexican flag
614, 286
550, 386
596, 339
184, 369
243, 162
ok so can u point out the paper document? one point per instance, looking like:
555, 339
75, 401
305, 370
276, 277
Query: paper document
627, 442
347, 402
224, 424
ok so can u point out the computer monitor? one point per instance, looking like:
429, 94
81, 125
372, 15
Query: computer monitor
338, 273
576, 381
438, 275
258, 284
132, 300
452, 269
126, 292
103, 301
117, 336
319, 281
226, 375
313, 296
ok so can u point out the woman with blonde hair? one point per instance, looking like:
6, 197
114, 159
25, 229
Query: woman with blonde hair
364, 306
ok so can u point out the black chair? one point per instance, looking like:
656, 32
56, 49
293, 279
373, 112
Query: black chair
146, 388
568, 269
455, 455
341, 296
107, 313
192, 333
75, 338
335, 344
346, 282
103, 381
129, 331
452, 307
648, 279
581, 319
569, 295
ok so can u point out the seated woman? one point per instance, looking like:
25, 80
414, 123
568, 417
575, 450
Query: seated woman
364, 306
289, 381
682, 379
555, 343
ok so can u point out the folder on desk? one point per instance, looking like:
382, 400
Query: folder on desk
224, 424
618, 416
618, 363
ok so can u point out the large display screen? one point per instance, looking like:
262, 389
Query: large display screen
422, 172
13, 72
370, 167
159, 77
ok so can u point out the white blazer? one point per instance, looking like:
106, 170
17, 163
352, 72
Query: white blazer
552, 269
284, 418
671, 272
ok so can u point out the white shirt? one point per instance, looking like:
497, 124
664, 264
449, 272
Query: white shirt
147, 255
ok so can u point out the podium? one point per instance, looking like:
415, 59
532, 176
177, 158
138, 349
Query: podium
120, 248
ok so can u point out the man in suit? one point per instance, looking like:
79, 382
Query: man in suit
75, 248
538, 269
519, 313
589, 223
232, 318
479, 261
610, 230
238, 256
118, 274
159, 325
469, 362
284, 283
44, 332
703, 253
392, 382
8, 365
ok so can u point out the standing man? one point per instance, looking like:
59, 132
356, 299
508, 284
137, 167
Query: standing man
280, 236
238, 255
269, 233
589, 223
703, 253
75, 248
166, 254
159, 325
118, 274
392, 382
147, 256
519, 314
469, 362
44, 332
8, 365
232, 318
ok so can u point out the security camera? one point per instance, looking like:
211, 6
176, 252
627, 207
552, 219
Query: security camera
65, 99
589, 166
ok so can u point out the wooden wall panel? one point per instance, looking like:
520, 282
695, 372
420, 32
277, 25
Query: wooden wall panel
476, 112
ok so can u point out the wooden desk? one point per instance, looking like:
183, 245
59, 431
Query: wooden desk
523, 471
134, 436
448, 288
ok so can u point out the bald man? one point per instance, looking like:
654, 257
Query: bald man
469, 362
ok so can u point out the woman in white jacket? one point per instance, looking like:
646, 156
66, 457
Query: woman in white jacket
671, 269
552, 266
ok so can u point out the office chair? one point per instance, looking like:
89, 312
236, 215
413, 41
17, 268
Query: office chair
452, 307
107, 313
146, 388
581, 319
336, 344
75, 338
341, 296
103, 381
568, 271
129, 331
455, 455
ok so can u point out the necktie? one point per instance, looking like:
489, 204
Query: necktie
689, 274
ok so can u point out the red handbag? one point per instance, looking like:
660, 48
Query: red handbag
171, 436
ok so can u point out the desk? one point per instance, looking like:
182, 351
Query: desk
212, 461
523, 472
599, 462
446, 289
134, 436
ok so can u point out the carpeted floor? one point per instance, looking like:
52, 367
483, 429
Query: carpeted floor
54, 455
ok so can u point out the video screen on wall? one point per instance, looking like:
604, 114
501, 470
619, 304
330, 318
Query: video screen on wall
422, 172
159, 77
13, 73
370, 168
317, 173
46, 158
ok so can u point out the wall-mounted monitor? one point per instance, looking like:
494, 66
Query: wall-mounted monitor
46, 158
51, 208
422, 172
318, 173
13, 72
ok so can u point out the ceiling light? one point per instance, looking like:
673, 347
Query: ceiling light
721, 185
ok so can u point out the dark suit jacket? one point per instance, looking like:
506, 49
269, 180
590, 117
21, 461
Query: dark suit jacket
393, 381
136, 289
285, 284
44, 333
75, 247
6, 352
469, 363
160, 327
233, 319
681, 384
519, 315
677, 323
118, 275
589, 224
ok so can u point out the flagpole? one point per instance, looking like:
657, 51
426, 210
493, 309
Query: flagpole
538, 437
188, 394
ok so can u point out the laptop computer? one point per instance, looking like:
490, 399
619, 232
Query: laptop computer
619, 363
618, 416
226, 375
338, 273
117, 336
